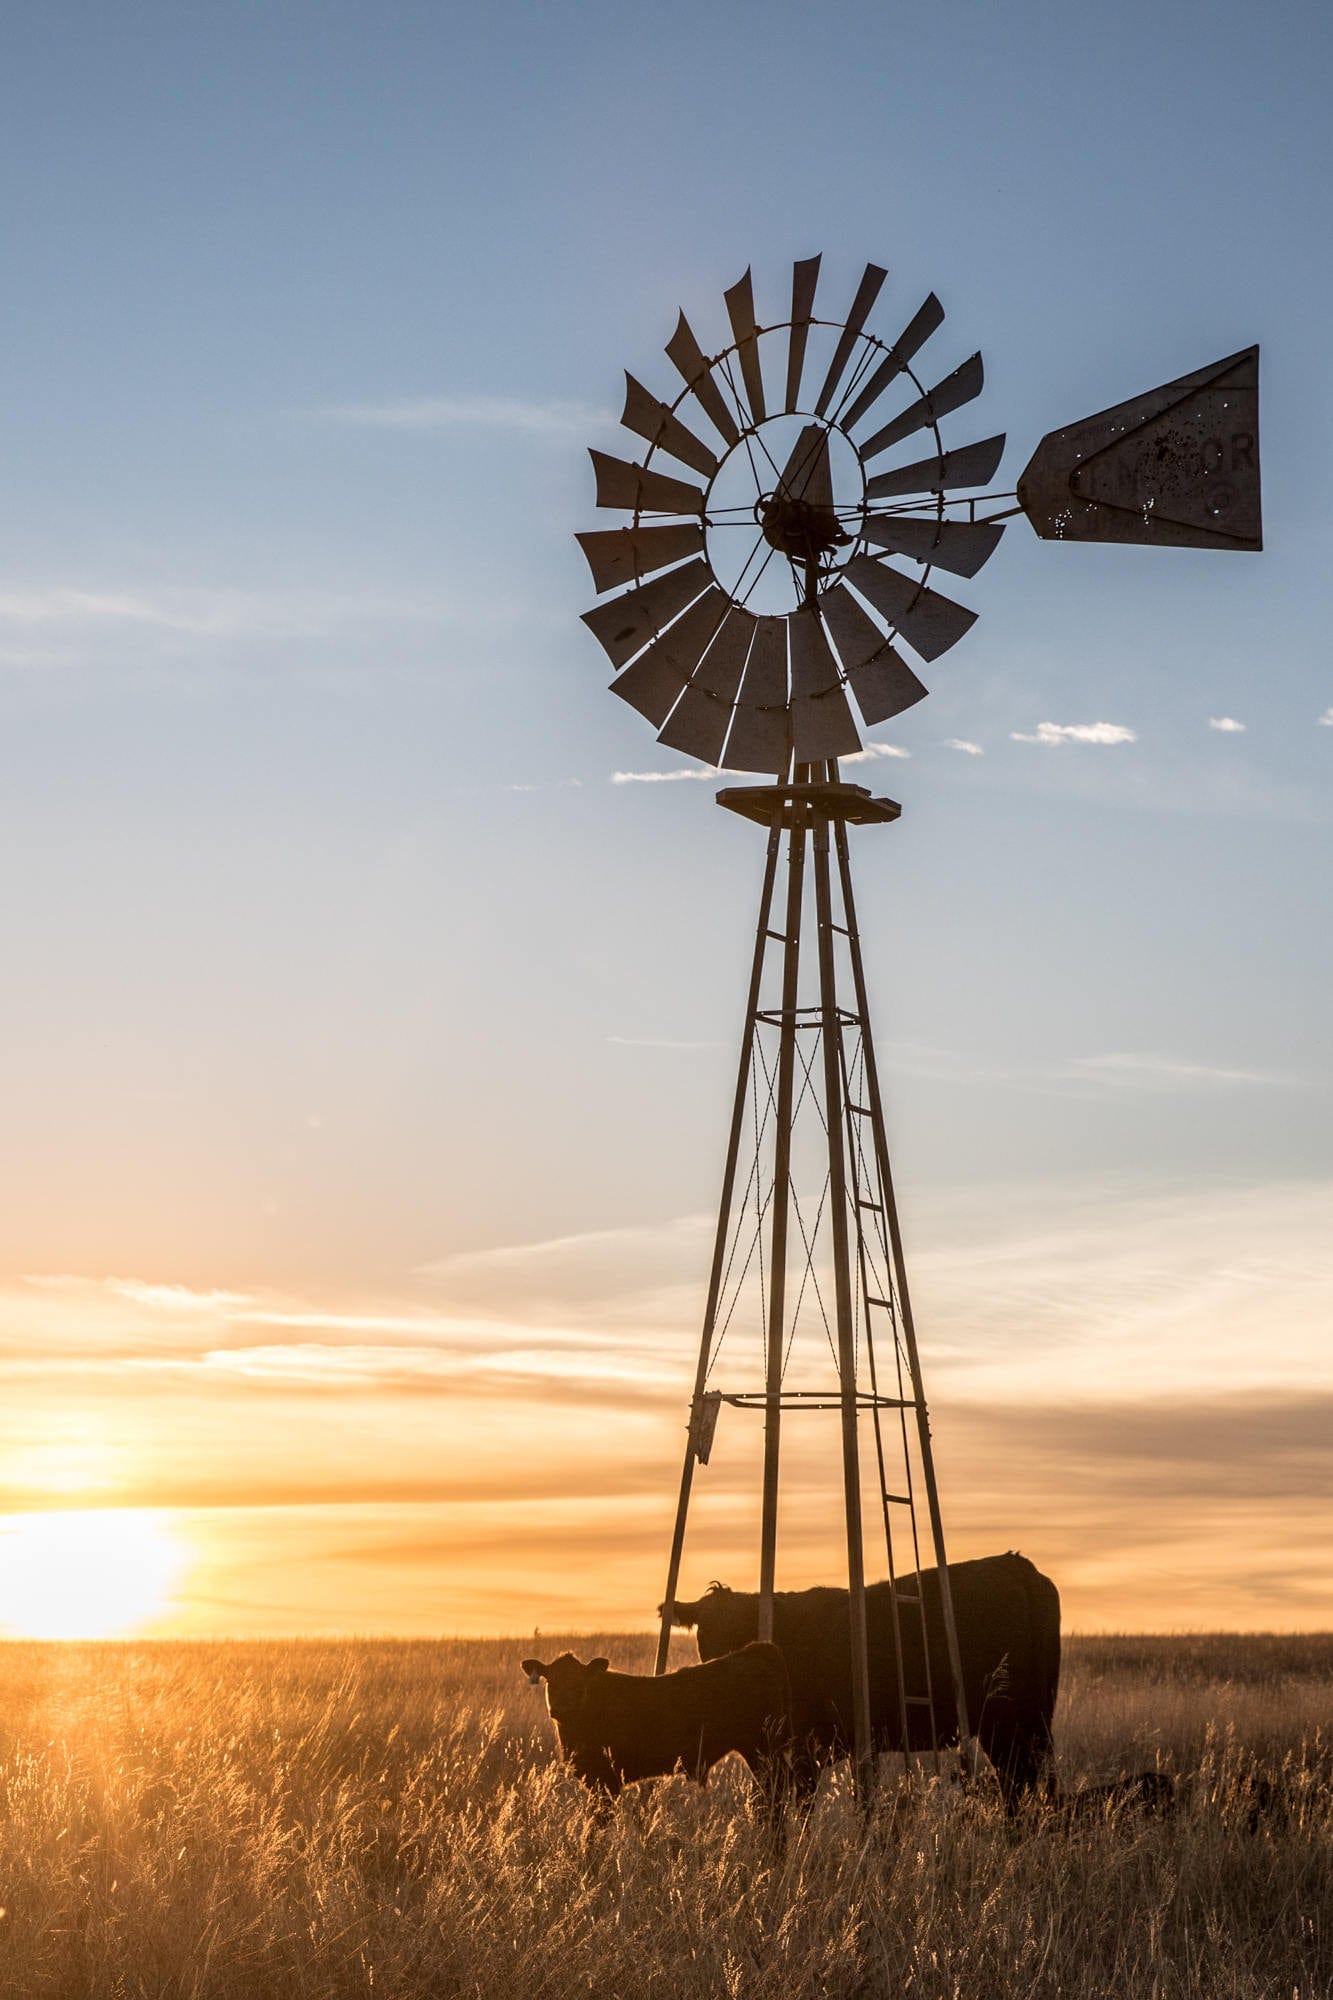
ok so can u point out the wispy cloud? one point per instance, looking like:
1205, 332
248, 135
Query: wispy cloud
1326, 719
532, 1418
1076, 732
494, 413
1167, 1073
177, 1298
665, 777
1227, 724
1079, 1075
873, 750
961, 743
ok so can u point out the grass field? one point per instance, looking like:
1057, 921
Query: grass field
308, 1820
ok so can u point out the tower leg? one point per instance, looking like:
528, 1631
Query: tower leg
723, 1227
831, 1037
905, 1304
777, 1292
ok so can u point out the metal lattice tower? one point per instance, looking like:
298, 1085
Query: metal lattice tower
808, 1242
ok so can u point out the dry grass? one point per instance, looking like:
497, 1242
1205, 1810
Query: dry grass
312, 1820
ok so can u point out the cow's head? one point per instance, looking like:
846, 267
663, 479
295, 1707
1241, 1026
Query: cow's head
689, 1615
568, 1681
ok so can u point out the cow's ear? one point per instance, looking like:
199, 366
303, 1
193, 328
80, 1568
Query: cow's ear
598, 1666
534, 1670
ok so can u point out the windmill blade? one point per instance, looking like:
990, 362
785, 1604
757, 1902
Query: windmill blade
813, 668
914, 336
759, 732
685, 353
652, 419
758, 740
808, 476
804, 278
822, 721
697, 725
970, 465
620, 484
720, 669
650, 684
765, 683
852, 630
631, 620
950, 394
685, 642
623, 555
699, 721
866, 293
959, 546
881, 680
885, 686
929, 622
740, 311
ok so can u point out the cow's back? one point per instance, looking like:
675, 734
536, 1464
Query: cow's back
692, 1717
1008, 1621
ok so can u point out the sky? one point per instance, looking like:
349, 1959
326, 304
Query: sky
369, 1020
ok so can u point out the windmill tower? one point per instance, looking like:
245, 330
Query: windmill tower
745, 610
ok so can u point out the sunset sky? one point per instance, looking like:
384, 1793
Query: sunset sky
369, 1016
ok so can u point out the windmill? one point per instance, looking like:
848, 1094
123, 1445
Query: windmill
751, 610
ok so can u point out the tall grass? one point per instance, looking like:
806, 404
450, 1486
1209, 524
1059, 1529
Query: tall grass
310, 1820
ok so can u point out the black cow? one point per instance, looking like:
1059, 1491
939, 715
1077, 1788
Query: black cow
616, 1728
1008, 1619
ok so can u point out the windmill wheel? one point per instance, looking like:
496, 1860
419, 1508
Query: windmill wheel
750, 605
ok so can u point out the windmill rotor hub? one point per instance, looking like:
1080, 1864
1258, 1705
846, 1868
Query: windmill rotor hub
801, 529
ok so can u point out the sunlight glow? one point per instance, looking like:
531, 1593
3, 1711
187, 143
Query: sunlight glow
91, 1574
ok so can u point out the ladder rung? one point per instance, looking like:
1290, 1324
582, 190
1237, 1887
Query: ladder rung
861, 1110
902, 1598
841, 929
778, 937
878, 1206
886, 1303
918, 1701
898, 1499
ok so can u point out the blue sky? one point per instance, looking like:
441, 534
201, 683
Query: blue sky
336, 956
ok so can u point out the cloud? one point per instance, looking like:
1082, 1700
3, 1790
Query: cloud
176, 1298
1227, 724
1192, 1443
961, 743
1166, 1072
1076, 732
1326, 719
666, 777
494, 413
1133, 1388
873, 750
1111, 1286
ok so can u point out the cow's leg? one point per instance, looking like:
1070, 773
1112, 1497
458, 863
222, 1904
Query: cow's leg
600, 1775
1018, 1746
771, 1769
805, 1761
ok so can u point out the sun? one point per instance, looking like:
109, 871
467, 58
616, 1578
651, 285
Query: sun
93, 1574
